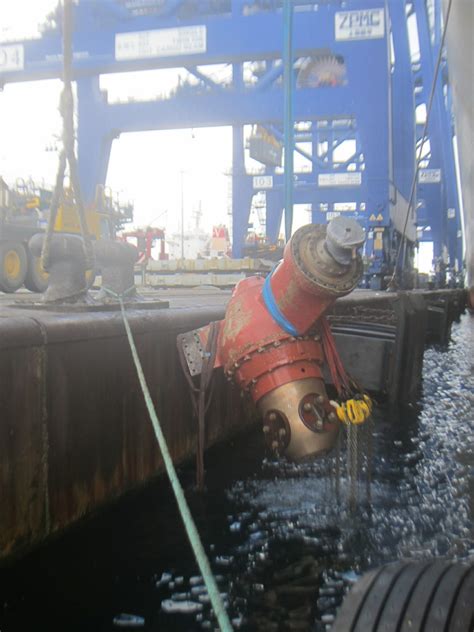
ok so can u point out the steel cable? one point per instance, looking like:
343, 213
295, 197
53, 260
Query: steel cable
201, 396
206, 379
67, 155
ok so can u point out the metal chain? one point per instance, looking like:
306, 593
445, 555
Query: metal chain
353, 449
330, 475
369, 455
359, 453
338, 468
348, 457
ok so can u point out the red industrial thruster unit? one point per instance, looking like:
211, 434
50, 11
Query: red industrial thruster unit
269, 341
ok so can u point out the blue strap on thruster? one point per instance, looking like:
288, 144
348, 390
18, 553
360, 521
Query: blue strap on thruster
274, 310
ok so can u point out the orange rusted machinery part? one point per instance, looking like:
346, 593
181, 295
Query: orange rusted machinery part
269, 344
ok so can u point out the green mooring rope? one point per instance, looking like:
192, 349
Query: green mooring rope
191, 531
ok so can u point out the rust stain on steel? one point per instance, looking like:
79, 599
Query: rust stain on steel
22, 480
235, 320
287, 299
74, 430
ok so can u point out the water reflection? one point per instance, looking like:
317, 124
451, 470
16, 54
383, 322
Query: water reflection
295, 550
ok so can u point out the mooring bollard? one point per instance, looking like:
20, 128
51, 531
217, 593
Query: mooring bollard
67, 270
116, 262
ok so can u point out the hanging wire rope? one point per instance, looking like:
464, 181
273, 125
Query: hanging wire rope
67, 155
402, 245
353, 410
201, 396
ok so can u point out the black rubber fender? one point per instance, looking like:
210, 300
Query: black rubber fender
411, 596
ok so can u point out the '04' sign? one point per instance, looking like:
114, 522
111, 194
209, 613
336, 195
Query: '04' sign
12, 57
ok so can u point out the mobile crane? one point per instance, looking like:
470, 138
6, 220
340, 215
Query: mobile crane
24, 212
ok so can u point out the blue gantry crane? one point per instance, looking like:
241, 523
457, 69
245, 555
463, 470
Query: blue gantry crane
356, 90
439, 214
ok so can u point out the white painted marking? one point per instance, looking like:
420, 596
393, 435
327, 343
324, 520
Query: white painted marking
347, 179
185, 40
12, 57
429, 176
363, 24
263, 182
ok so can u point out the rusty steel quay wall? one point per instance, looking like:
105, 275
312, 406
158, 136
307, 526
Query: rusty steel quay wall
74, 432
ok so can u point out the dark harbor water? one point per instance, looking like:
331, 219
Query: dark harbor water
284, 551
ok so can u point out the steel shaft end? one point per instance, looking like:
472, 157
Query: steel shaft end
296, 422
344, 237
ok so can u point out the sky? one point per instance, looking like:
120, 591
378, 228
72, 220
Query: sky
147, 168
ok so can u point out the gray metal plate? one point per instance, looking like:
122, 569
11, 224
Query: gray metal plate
193, 351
